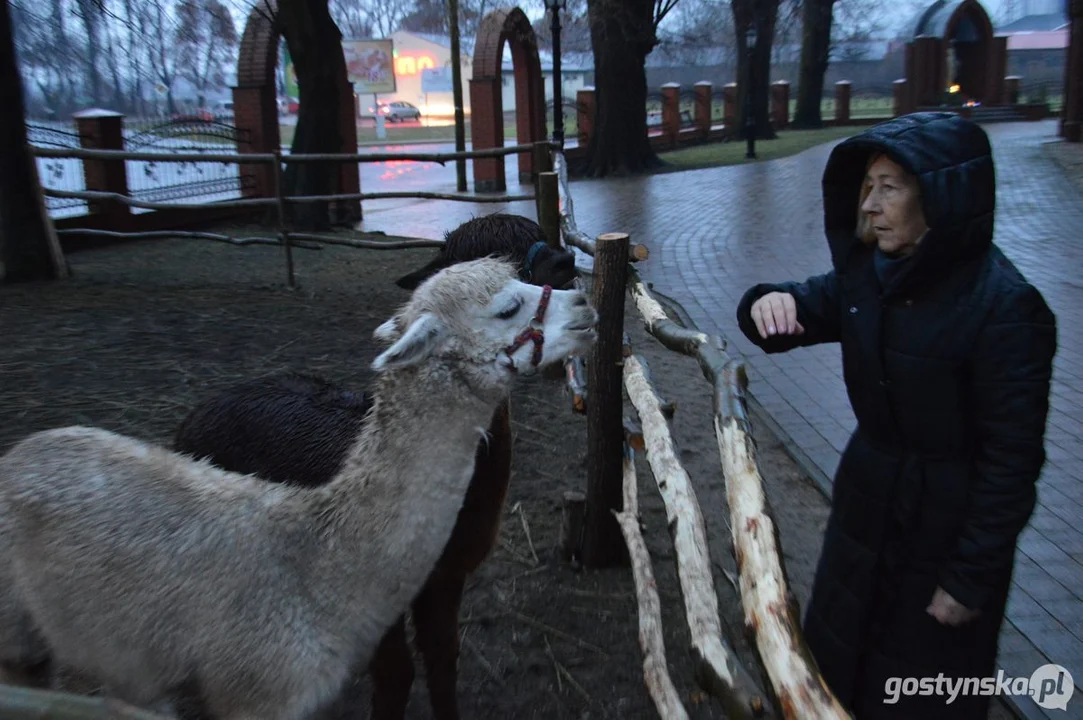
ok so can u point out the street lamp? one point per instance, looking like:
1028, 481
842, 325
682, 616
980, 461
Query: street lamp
750, 123
554, 7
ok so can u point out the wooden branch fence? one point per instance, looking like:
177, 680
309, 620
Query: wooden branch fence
771, 617
770, 612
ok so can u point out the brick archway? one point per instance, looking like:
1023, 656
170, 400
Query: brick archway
486, 98
982, 56
255, 112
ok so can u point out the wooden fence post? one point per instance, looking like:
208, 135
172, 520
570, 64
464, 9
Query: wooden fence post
603, 542
549, 207
543, 156
280, 206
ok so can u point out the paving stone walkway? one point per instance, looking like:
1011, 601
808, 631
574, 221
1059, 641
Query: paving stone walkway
713, 233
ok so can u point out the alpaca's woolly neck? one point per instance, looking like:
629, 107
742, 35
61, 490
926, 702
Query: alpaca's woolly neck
397, 495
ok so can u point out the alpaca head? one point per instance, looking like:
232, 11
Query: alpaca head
515, 237
492, 326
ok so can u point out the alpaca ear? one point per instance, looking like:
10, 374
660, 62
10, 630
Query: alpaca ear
410, 281
388, 331
416, 344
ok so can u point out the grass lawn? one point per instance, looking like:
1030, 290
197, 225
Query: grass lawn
789, 142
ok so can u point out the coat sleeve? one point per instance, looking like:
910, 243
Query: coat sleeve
819, 311
1011, 370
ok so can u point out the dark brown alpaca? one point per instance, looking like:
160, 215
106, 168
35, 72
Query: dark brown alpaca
297, 429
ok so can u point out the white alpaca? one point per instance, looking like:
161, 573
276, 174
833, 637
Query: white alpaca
146, 569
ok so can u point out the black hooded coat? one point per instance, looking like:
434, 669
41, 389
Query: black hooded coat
948, 371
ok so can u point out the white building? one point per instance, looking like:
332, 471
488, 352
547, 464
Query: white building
423, 73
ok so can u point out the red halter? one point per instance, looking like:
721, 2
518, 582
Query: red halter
533, 330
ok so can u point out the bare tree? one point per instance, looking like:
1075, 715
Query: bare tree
28, 246
159, 22
206, 43
697, 30
359, 19
857, 22
623, 33
430, 16
47, 53
815, 55
90, 12
352, 17
315, 45
760, 15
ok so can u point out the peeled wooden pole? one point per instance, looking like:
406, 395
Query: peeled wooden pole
573, 236
576, 372
771, 614
651, 641
719, 670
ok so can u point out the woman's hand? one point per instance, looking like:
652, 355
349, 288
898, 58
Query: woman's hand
776, 314
949, 611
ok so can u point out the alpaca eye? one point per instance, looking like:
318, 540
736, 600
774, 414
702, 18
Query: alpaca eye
510, 312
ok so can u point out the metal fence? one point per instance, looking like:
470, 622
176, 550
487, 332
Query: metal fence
61, 173
202, 181
155, 179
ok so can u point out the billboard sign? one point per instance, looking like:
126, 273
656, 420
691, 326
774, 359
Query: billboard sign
370, 65
434, 80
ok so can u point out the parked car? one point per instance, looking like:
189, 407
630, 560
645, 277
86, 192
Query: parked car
396, 111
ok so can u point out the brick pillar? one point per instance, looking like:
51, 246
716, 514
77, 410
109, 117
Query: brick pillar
586, 106
899, 97
347, 211
525, 111
487, 131
842, 102
729, 105
1072, 122
255, 114
1011, 90
671, 113
104, 130
702, 92
780, 104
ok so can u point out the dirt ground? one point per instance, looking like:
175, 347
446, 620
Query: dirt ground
145, 331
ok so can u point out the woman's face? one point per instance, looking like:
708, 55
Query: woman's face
893, 207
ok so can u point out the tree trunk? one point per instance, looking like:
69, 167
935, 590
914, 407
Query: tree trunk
622, 35
762, 15
315, 46
28, 247
815, 50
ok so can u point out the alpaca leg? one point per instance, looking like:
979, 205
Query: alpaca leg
436, 615
392, 670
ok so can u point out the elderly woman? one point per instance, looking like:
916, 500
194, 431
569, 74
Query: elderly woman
947, 356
